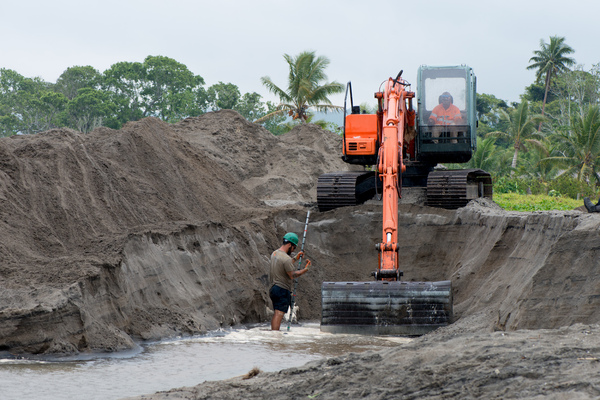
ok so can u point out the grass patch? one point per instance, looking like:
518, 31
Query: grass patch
537, 202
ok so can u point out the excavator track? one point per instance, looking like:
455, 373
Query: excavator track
454, 189
341, 189
385, 307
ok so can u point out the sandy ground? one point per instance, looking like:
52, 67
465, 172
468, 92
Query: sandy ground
160, 230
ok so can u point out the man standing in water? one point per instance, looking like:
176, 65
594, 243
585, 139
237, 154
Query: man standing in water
281, 275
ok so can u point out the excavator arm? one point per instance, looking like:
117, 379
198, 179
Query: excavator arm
390, 166
388, 305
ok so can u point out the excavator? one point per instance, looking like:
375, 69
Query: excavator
402, 147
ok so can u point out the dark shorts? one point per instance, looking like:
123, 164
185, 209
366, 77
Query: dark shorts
281, 298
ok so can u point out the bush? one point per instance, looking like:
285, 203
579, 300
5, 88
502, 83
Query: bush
511, 184
519, 202
570, 187
562, 186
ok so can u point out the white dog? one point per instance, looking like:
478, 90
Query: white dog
294, 314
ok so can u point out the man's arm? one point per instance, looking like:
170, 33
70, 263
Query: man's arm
432, 120
297, 273
458, 119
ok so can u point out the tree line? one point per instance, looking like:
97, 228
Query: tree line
84, 98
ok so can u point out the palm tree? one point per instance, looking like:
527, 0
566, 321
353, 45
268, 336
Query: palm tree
551, 60
521, 129
539, 164
484, 156
581, 145
304, 90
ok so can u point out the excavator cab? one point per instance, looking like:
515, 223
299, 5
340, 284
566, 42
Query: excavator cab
446, 114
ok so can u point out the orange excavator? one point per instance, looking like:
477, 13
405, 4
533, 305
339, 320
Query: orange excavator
404, 147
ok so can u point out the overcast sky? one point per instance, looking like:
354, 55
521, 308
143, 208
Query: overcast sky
239, 41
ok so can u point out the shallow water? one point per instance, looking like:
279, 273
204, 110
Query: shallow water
175, 363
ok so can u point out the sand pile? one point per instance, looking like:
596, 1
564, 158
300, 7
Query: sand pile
66, 196
92, 224
280, 169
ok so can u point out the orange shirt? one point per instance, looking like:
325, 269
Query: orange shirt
442, 116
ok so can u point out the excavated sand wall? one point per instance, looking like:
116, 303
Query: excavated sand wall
182, 283
509, 270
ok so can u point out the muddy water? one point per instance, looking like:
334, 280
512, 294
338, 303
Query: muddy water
169, 364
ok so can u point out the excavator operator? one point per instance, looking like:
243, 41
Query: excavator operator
444, 114
281, 276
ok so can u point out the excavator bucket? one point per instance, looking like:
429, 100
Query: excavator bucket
385, 307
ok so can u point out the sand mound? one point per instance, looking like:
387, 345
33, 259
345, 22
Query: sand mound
275, 169
89, 222
66, 196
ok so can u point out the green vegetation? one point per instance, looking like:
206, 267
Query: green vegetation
83, 98
549, 142
539, 202
518, 193
550, 60
520, 129
564, 185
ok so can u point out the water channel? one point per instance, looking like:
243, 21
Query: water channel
175, 363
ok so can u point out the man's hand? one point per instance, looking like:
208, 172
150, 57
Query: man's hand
300, 254
308, 263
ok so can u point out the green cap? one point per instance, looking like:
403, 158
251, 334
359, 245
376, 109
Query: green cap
291, 237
